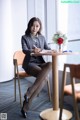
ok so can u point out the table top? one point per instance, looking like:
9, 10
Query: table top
54, 53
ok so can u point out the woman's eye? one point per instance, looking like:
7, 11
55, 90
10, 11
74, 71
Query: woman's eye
37, 26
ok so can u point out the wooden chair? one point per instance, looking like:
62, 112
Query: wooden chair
18, 58
72, 89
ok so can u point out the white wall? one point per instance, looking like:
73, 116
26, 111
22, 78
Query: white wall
12, 26
73, 21
62, 23
19, 21
6, 38
74, 32
68, 20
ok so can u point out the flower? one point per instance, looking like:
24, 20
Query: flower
59, 38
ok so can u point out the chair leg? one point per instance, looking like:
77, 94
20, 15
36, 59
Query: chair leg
61, 108
62, 92
49, 91
14, 89
74, 99
76, 111
20, 92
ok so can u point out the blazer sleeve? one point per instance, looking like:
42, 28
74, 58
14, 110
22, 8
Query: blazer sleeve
26, 51
25, 47
45, 44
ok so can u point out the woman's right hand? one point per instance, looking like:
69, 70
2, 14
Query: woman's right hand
36, 50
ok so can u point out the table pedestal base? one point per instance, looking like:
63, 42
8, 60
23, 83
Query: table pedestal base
50, 114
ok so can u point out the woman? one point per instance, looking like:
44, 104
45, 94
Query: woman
34, 41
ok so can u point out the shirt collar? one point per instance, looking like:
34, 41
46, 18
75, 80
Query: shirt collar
34, 36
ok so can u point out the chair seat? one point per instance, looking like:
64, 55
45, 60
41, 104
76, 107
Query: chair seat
68, 90
23, 74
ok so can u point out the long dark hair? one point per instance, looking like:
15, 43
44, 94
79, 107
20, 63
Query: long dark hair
30, 24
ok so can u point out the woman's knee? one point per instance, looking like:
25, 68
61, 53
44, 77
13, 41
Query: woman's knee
49, 64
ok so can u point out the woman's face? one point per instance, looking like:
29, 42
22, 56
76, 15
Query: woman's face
35, 28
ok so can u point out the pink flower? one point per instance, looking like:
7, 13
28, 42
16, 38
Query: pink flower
60, 41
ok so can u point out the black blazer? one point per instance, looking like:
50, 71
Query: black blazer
27, 45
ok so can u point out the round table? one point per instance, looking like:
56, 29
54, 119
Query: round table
53, 113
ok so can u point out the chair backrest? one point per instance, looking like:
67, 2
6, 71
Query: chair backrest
75, 71
19, 56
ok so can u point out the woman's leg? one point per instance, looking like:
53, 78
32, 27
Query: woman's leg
41, 76
38, 84
27, 105
33, 69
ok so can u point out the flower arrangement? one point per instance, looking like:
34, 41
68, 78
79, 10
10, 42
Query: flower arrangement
59, 38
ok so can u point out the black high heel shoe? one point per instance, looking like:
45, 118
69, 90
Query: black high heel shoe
24, 113
26, 97
26, 107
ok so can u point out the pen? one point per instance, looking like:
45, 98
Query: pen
67, 51
34, 46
